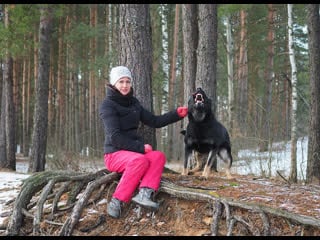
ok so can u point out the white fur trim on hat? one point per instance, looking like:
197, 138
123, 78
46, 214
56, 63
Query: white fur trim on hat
119, 72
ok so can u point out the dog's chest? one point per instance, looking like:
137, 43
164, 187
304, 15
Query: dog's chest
199, 138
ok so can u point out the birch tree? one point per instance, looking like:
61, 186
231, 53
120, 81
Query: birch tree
230, 71
294, 99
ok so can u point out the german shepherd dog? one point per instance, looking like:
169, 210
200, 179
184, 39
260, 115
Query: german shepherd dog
205, 134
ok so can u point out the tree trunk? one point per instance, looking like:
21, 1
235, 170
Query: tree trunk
242, 74
61, 101
92, 79
158, 79
313, 163
173, 84
265, 139
39, 137
190, 43
136, 54
3, 150
230, 54
293, 167
207, 52
7, 132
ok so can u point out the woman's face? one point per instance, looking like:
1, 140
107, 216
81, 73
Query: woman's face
123, 85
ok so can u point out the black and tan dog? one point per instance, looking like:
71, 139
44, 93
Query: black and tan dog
205, 134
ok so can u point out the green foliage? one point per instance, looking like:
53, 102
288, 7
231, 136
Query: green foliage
229, 9
83, 32
16, 38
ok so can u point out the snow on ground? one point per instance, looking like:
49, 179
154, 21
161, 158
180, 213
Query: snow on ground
10, 183
278, 159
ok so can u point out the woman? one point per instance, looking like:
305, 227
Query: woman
124, 151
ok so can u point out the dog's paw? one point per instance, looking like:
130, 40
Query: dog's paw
229, 176
203, 178
205, 175
206, 172
184, 172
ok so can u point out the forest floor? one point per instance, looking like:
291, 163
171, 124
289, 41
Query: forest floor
179, 217
182, 217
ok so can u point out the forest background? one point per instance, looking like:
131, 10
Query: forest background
253, 83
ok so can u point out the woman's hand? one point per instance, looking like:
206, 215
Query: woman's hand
182, 111
147, 148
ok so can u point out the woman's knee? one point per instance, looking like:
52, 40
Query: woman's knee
141, 162
159, 157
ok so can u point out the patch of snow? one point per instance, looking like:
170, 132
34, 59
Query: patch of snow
277, 159
10, 183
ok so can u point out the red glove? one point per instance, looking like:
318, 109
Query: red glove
182, 111
147, 148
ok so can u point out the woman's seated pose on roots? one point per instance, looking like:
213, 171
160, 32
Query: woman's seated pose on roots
124, 151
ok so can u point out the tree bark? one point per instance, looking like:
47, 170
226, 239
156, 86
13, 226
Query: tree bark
313, 164
136, 54
230, 57
190, 43
8, 131
294, 99
242, 74
39, 138
207, 51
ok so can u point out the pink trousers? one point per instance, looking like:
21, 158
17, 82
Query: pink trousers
143, 170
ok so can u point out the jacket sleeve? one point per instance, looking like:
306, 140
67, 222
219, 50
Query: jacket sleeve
159, 121
113, 133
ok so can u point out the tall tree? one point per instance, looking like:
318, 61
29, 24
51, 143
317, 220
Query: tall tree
7, 132
136, 54
173, 81
242, 72
61, 88
39, 136
313, 163
92, 78
190, 43
207, 51
24, 108
230, 62
159, 79
266, 138
294, 99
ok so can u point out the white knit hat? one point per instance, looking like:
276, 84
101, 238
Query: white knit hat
119, 72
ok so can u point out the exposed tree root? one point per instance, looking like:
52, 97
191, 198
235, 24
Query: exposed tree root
200, 194
52, 186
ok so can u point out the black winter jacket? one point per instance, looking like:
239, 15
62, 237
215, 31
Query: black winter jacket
121, 116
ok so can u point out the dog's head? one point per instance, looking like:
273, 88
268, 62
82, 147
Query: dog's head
199, 105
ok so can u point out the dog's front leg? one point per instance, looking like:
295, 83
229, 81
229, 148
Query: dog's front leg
197, 161
207, 167
187, 160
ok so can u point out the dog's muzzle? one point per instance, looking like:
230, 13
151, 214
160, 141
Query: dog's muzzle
198, 98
